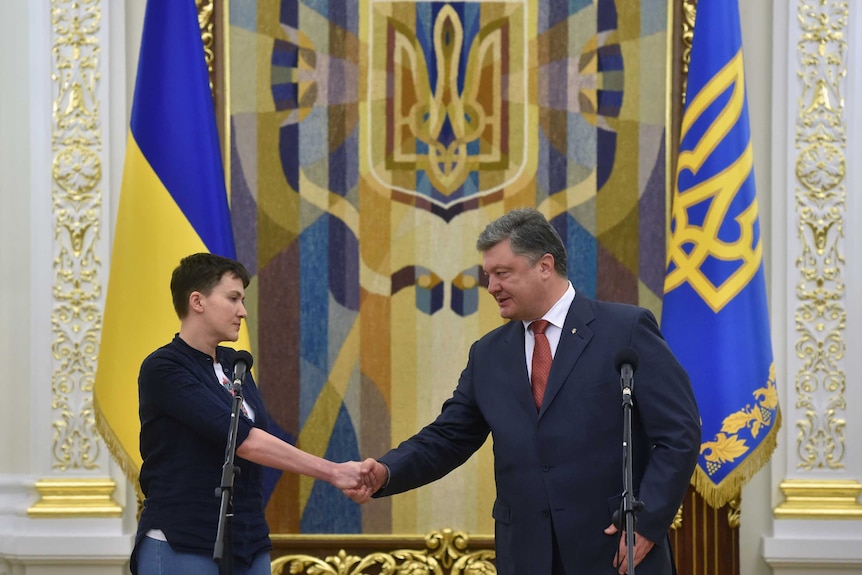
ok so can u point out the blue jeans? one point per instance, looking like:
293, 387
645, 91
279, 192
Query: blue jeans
158, 558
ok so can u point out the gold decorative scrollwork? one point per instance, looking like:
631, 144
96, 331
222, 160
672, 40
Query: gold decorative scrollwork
446, 553
820, 207
689, 11
677, 518
76, 171
734, 512
206, 11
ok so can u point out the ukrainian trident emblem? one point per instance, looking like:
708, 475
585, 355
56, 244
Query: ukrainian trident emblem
447, 100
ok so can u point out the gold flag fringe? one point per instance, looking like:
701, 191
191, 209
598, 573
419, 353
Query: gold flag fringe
121, 456
717, 495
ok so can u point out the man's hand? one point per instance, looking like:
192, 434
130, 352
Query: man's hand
374, 475
642, 547
348, 478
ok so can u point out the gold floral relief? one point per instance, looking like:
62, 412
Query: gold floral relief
446, 553
820, 138
76, 174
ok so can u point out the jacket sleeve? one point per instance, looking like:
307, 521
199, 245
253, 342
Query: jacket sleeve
441, 446
669, 420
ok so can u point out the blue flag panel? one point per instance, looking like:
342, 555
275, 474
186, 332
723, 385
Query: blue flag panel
715, 315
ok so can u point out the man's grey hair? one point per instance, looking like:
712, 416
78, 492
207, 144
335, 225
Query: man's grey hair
530, 234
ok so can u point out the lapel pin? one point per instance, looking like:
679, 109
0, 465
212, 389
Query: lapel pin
574, 330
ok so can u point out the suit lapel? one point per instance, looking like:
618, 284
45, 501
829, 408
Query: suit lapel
573, 340
513, 361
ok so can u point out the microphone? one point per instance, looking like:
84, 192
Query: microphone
241, 365
627, 364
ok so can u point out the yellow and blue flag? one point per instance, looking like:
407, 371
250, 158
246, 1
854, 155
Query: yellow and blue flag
715, 315
173, 203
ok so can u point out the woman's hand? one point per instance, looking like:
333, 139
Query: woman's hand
347, 475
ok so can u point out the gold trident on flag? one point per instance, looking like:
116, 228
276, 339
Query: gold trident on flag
691, 245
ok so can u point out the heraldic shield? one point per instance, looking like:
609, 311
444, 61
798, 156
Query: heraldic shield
447, 101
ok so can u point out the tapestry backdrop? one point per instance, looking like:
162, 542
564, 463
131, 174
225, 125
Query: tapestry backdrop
371, 141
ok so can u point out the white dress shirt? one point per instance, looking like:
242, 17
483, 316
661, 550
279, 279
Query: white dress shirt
556, 316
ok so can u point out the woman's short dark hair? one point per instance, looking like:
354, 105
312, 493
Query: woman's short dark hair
201, 273
530, 234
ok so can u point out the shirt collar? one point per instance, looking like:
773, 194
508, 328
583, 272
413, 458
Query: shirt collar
557, 314
198, 354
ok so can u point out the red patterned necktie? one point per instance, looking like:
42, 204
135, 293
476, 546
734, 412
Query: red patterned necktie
541, 360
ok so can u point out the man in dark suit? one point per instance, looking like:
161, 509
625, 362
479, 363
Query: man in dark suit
558, 459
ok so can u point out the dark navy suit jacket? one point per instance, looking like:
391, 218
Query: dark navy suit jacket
562, 468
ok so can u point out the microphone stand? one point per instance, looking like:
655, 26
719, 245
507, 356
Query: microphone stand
628, 506
225, 491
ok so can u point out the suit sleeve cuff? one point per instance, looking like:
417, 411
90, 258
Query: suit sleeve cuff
379, 492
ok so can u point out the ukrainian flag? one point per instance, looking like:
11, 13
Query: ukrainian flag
714, 314
173, 203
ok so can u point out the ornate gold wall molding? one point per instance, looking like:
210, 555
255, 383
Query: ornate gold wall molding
445, 552
76, 309
820, 500
820, 208
76, 314
75, 498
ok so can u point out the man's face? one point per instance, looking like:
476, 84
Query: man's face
224, 307
517, 286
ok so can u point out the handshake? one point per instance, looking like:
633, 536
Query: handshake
360, 480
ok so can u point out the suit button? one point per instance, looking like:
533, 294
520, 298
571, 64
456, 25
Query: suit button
546, 468
545, 513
